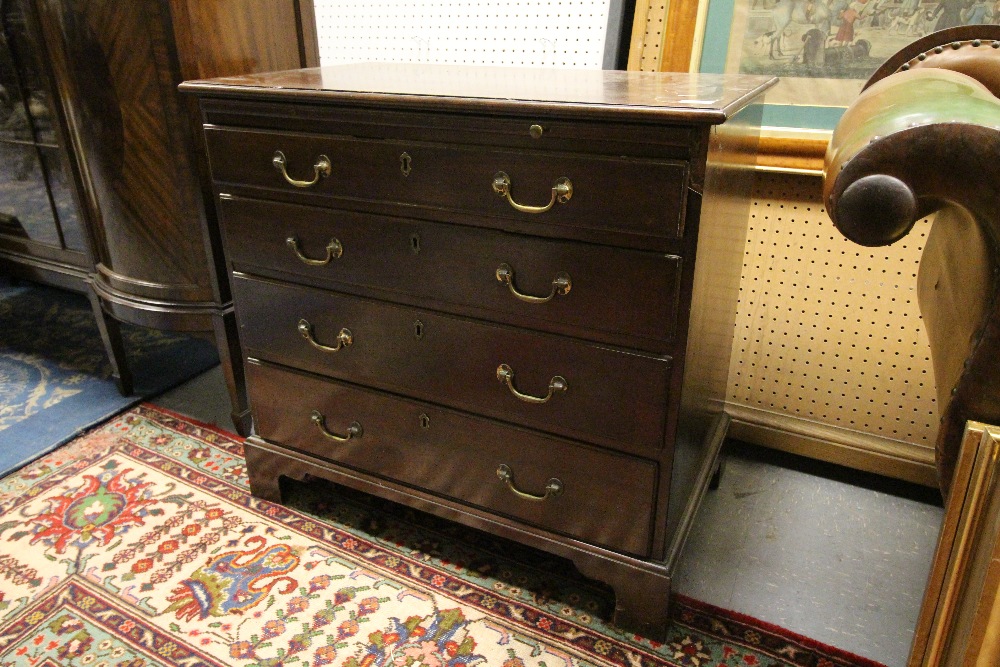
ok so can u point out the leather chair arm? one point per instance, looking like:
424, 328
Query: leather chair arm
919, 142
910, 144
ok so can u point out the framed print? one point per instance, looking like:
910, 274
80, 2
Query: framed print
823, 50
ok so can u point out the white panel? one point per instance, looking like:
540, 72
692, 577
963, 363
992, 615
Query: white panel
549, 33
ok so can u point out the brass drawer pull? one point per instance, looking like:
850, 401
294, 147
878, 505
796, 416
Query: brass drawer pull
344, 338
333, 251
553, 488
562, 190
321, 169
561, 284
506, 374
353, 431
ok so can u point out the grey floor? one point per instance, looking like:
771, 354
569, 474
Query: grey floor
838, 556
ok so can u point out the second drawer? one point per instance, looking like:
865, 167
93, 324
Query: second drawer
562, 385
607, 291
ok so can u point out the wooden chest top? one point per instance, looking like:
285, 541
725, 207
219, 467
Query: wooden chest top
663, 96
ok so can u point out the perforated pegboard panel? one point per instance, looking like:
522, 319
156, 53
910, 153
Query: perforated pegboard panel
563, 33
829, 331
650, 15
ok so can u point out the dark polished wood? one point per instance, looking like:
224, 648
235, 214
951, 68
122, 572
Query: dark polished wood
617, 296
934, 153
602, 438
570, 94
424, 446
612, 397
137, 155
111, 337
456, 178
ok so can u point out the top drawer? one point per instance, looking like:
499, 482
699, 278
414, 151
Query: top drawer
550, 191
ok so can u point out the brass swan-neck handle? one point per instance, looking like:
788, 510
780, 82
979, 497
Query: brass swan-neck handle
344, 338
334, 250
321, 169
353, 431
561, 285
562, 191
506, 374
553, 488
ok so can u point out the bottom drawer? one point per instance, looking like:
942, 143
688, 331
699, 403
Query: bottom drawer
588, 492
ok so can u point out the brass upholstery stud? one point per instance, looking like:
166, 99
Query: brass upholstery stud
938, 49
922, 56
977, 42
956, 45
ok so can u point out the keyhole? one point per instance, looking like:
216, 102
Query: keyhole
415, 243
418, 329
425, 421
405, 164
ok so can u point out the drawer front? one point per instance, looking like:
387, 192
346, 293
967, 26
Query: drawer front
595, 289
633, 196
568, 387
659, 139
457, 456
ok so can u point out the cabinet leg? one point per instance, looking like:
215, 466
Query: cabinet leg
263, 470
114, 345
642, 598
231, 362
642, 603
720, 468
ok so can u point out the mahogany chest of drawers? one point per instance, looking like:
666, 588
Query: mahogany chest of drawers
505, 296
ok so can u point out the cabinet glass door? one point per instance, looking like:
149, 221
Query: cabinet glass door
36, 202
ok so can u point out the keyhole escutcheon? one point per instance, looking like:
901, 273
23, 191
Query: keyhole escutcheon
418, 329
405, 164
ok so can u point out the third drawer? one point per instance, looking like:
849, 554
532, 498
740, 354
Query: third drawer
609, 396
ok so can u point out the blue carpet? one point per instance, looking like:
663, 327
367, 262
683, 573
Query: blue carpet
55, 378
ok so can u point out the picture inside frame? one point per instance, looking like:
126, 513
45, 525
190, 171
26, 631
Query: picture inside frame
823, 50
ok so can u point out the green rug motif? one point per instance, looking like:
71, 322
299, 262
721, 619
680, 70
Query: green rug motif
139, 545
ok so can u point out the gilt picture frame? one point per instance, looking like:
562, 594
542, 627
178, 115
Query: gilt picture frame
822, 50
958, 618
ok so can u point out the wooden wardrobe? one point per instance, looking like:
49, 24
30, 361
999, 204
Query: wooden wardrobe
135, 151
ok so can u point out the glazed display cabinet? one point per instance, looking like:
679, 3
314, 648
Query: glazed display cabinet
133, 148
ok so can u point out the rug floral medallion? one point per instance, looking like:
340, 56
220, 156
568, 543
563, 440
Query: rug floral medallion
139, 545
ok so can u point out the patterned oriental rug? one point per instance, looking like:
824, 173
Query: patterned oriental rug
139, 545
55, 375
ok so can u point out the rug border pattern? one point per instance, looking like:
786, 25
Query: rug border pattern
75, 594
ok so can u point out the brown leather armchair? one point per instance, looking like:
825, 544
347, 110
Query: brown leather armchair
924, 138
